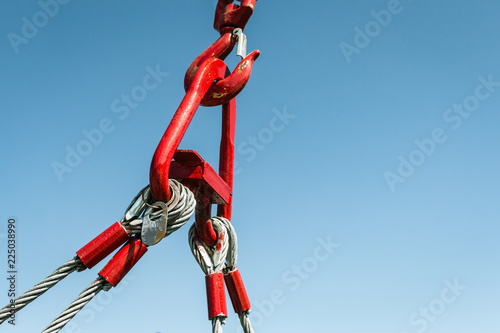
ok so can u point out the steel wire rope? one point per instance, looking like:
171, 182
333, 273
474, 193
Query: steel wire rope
211, 260
83, 299
180, 209
29, 296
231, 263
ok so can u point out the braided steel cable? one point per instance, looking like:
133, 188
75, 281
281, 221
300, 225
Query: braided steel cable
211, 260
245, 321
181, 212
50, 281
40, 288
83, 299
231, 262
181, 207
232, 254
217, 323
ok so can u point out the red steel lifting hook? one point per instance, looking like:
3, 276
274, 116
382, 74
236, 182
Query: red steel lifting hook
220, 49
226, 89
228, 16
211, 70
208, 82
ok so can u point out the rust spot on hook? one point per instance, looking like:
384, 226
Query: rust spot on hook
224, 90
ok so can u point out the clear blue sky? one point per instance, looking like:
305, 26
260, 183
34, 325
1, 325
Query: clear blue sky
372, 125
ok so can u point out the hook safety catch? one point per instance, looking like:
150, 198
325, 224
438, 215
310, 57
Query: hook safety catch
241, 51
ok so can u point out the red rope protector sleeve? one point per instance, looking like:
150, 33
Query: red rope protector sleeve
237, 291
101, 246
216, 295
123, 261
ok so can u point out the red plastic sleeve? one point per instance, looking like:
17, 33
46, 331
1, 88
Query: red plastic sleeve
123, 261
216, 295
237, 291
101, 246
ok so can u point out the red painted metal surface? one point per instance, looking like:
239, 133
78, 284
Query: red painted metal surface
203, 215
228, 14
237, 292
216, 295
101, 246
197, 174
123, 261
226, 157
207, 82
211, 69
220, 49
208, 186
224, 90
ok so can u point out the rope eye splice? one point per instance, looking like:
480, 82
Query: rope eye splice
219, 265
153, 227
178, 209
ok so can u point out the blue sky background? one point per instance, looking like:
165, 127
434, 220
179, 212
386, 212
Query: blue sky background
323, 176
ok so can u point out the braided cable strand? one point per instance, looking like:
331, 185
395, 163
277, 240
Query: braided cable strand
58, 275
232, 254
182, 211
199, 251
83, 299
40, 288
181, 207
211, 260
231, 261
245, 321
217, 324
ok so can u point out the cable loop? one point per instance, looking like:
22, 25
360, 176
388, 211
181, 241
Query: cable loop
180, 207
210, 259
232, 254
231, 263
